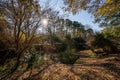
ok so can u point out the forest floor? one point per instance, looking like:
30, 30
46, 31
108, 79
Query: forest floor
87, 67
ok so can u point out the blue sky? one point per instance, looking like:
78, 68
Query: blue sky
83, 17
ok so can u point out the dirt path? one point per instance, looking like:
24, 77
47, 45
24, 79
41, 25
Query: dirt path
98, 69
85, 68
107, 68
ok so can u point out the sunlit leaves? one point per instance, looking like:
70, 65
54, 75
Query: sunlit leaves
108, 1
22, 16
105, 11
109, 8
75, 5
111, 32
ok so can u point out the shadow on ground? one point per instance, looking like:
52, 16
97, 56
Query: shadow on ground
85, 68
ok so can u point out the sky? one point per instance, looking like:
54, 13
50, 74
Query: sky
83, 16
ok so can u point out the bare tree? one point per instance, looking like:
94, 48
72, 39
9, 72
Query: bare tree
23, 18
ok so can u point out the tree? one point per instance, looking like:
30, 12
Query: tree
21, 18
101, 42
112, 33
89, 31
53, 23
60, 30
106, 12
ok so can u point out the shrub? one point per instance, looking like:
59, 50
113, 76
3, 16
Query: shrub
61, 47
101, 42
79, 43
68, 57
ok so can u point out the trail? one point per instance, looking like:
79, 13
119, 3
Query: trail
85, 68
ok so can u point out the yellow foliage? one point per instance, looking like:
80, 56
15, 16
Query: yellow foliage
108, 1
70, 1
113, 32
109, 8
22, 35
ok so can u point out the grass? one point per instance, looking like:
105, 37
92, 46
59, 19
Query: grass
2, 68
92, 55
45, 78
89, 53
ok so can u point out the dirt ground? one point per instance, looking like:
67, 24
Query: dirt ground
85, 68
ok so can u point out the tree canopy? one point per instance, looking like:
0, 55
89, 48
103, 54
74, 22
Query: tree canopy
106, 12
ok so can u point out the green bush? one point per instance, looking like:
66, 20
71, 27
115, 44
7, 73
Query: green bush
101, 42
61, 47
68, 57
79, 43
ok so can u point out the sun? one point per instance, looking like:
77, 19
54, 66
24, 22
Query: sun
45, 22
